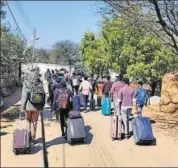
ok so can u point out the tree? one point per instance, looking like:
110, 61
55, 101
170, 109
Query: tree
42, 56
151, 62
93, 55
67, 52
2, 12
159, 18
130, 51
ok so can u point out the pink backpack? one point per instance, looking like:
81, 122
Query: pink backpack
63, 98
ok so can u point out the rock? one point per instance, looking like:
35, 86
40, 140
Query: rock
169, 94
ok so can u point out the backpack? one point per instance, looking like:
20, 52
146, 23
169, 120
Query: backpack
37, 94
75, 81
141, 96
63, 98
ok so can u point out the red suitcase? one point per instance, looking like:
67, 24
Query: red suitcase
116, 127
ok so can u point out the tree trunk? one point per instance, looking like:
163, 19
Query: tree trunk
20, 71
153, 87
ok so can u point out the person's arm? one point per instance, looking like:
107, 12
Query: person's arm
103, 88
81, 86
90, 86
113, 88
24, 98
120, 98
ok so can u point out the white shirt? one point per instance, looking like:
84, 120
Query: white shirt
85, 86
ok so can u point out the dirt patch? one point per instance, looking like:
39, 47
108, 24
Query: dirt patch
10, 114
166, 122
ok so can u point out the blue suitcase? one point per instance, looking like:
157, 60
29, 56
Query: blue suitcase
106, 106
76, 102
142, 131
82, 100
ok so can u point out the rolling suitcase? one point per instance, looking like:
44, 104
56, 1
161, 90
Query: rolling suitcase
106, 106
142, 131
75, 130
21, 141
99, 101
116, 128
76, 102
92, 105
82, 100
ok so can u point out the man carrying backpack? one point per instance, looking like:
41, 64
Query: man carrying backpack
33, 101
107, 87
141, 96
62, 98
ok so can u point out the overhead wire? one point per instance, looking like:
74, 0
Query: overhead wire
24, 16
15, 19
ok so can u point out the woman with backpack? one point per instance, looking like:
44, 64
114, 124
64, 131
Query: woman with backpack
33, 101
62, 103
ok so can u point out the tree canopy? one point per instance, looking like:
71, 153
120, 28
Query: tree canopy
127, 50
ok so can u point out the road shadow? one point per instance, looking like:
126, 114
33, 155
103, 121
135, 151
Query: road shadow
61, 140
3, 133
153, 121
6, 126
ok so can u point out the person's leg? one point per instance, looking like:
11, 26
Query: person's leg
35, 115
28, 115
62, 122
139, 107
85, 101
125, 118
92, 95
77, 88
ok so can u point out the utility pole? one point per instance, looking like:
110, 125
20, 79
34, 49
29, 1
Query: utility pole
34, 38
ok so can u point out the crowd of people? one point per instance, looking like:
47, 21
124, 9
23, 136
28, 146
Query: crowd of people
62, 86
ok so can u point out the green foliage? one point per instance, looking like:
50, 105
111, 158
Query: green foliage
127, 50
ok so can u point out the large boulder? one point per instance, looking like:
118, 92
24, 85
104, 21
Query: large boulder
169, 94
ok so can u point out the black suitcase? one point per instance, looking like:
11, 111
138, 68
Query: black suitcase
75, 130
99, 101
92, 105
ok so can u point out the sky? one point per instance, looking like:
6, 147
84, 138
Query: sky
55, 20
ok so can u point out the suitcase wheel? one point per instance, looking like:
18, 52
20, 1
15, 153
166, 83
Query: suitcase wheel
15, 152
69, 142
28, 151
85, 139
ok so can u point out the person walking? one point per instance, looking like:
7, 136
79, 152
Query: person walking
125, 98
62, 101
141, 96
33, 101
85, 88
116, 87
107, 87
93, 85
75, 83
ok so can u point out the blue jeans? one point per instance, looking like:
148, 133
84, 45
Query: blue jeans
139, 108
